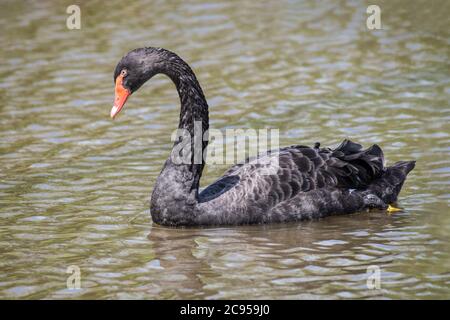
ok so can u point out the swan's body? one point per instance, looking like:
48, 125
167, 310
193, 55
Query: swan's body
307, 182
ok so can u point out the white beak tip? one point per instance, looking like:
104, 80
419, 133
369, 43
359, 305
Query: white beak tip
114, 111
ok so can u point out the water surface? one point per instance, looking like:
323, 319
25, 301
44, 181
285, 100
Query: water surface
74, 185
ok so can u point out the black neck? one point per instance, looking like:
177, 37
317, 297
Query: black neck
177, 185
194, 118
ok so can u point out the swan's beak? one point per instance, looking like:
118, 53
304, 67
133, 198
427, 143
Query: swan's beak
121, 96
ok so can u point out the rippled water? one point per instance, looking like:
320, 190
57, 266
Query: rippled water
74, 185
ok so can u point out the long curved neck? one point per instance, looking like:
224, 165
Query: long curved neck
193, 123
176, 188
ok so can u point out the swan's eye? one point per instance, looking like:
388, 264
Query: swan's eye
123, 73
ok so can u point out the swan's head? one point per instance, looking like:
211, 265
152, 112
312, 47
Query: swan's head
133, 70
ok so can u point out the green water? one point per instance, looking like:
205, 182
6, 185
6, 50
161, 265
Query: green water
75, 186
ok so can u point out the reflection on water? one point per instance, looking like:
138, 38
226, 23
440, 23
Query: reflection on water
74, 186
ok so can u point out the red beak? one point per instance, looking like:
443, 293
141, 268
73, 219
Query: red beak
121, 96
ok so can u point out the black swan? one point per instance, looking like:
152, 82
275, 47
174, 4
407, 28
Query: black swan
308, 183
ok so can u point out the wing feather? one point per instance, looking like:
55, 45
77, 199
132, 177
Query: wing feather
299, 169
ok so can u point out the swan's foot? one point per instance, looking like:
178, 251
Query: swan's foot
391, 209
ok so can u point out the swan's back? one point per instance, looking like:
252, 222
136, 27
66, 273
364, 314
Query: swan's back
305, 182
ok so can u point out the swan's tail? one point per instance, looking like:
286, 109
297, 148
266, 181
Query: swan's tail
388, 186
